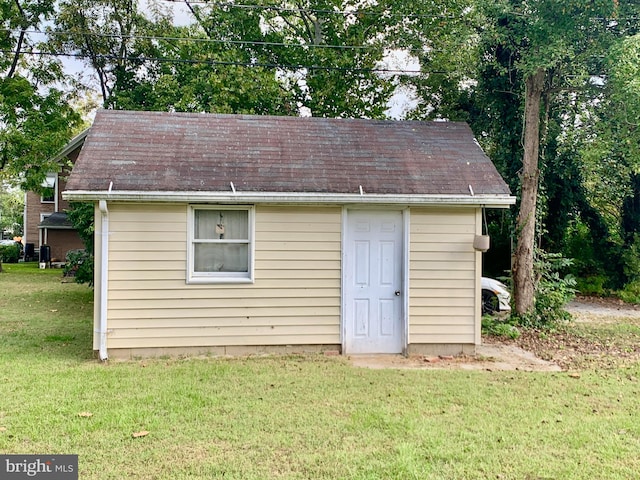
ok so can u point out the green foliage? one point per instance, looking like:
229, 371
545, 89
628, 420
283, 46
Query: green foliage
232, 59
624, 85
10, 253
553, 290
81, 215
36, 116
631, 292
579, 245
499, 327
80, 265
11, 211
631, 259
591, 285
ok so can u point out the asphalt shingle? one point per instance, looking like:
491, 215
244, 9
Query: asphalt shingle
190, 152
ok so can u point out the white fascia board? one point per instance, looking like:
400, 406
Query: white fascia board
74, 143
492, 201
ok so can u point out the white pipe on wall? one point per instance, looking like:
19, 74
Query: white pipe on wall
104, 279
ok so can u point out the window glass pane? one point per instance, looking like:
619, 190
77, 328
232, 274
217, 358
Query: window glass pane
221, 224
221, 257
48, 195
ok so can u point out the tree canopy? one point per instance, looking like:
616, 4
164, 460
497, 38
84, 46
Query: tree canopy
37, 116
550, 89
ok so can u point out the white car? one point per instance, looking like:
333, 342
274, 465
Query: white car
495, 297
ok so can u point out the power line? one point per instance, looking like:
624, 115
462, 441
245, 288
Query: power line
283, 66
412, 51
192, 39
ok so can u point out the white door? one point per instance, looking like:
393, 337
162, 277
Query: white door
373, 293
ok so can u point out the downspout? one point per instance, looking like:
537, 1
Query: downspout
104, 279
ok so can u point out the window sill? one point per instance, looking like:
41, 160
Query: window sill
218, 280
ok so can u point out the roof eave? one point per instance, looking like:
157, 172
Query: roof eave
486, 200
55, 227
74, 143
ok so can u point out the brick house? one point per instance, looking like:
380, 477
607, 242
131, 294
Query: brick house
45, 218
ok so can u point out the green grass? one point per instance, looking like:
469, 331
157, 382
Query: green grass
294, 417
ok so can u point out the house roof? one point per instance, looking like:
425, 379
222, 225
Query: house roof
135, 155
56, 221
74, 143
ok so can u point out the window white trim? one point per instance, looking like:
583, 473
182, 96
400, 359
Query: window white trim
194, 277
51, 181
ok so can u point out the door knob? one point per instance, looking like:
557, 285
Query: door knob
397, 293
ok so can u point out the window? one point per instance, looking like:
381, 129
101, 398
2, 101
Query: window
220, 244
49, 188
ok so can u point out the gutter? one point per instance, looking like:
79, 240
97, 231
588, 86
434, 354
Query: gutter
104, 280
235, 197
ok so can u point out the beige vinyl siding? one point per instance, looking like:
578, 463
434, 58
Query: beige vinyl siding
442, 276
295, 298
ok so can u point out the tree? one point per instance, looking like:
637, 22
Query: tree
143, 61
11, 211
36, 117
611, 156
554, 40
515, 70
322, 54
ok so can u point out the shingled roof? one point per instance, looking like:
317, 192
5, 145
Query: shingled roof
145, 152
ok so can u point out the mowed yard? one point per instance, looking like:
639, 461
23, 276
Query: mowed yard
293, 417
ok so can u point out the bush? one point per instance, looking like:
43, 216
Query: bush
631, 260
552, 292
631, 292
591, 285
79, 265
10, 252
497, 327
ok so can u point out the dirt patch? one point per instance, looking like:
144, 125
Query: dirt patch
605, 334
494, 356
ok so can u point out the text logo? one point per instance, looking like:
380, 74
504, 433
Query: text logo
44, 467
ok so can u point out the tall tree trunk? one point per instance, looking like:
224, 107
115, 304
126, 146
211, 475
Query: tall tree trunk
523, 276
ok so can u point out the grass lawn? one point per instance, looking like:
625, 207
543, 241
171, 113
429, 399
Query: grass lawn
295, 417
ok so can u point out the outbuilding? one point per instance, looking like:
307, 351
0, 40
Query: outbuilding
238, 234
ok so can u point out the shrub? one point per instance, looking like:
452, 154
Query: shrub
631, 260
631, 292
552, 292
80, 262
10, 253
497, 327
591, 285
79, 265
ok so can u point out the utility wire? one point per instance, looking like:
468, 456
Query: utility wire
389, 71
192, 39
284, 66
